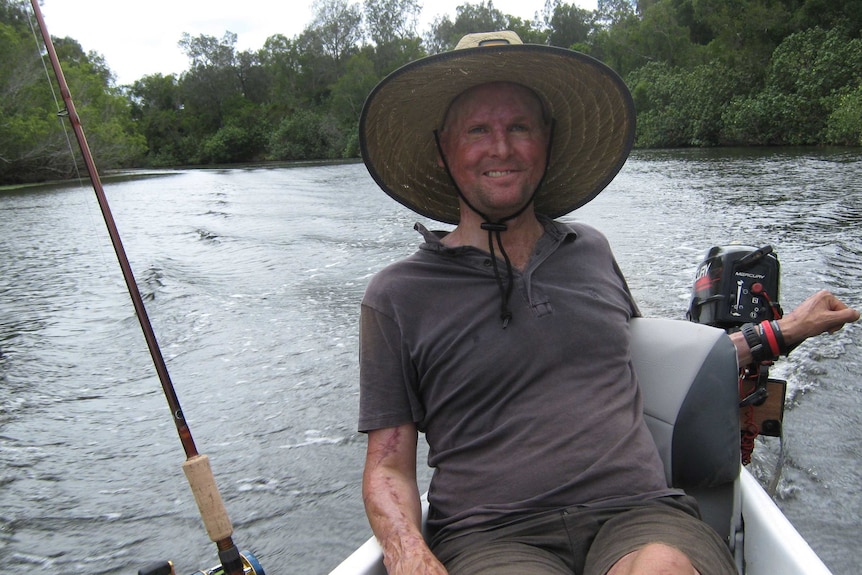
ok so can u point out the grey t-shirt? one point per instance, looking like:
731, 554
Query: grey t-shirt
545, 414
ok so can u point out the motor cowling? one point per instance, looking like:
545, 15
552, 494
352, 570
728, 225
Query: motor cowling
735, 285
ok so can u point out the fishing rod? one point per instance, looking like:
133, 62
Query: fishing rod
196, 466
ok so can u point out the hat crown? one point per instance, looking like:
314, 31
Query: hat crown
479, 39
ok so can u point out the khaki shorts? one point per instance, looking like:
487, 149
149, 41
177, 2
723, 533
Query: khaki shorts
587, 541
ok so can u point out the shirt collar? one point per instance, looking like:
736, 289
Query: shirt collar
557, 232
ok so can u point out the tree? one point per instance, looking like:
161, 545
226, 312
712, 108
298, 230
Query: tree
33, 141
208, 51
211, 81
307, 135
661, 37
23, 118
351, 89
280, 60
445, 33
338, 27
703, 72
680, 107
158, 110
844, 125
317, 70
811, 74
391, 24
324, 47
615, 41
844, 14
224, 96
744, 32
613, 13
570, 26
391, 21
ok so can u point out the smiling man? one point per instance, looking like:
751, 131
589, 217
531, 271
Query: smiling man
494, 143
516, 368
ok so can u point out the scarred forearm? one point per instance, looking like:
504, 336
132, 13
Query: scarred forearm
392, 503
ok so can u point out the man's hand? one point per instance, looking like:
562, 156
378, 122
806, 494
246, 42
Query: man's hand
414, 558
820, 313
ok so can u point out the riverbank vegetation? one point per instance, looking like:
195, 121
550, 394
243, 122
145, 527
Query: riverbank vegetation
702, 72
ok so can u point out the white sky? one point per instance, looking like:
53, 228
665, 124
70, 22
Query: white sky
141, 38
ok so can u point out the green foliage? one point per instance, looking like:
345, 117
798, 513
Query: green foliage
392, 55
703, 73
481, 17
681, 107
391, 21
615, 39
808, 74
792, 96
844, 14
33, 141
351, 148
815, 63
661, 37
337, 26
758, 120
158, 112
211, 82
570, 26
243, 138
844, 125
230, 144
350, 91
742, 34
307, 135
23, 126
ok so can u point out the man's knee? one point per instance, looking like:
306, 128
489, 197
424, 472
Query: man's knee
655, 558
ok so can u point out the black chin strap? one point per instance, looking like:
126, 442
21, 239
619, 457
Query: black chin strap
505, 293
494, 229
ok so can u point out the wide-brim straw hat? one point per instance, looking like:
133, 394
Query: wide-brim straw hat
591, 106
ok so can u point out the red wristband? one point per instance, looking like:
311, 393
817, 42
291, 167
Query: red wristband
769, 335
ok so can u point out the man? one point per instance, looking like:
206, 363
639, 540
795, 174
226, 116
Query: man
516, 368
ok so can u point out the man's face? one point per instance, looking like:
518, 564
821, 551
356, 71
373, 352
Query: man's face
495, 141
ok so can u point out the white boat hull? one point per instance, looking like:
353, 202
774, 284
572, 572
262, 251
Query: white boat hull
771, 544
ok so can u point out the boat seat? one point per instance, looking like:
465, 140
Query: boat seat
688, 375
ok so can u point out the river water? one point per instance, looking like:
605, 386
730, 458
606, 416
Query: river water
252, 279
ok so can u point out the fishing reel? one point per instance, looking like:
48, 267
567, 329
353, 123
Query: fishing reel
735, 286
250, 566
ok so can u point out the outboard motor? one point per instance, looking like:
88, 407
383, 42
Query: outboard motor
734, 286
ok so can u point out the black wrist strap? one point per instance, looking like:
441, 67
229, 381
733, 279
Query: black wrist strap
782, 345
762, 349
753, 338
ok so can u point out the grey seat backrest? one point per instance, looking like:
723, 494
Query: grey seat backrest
688, 375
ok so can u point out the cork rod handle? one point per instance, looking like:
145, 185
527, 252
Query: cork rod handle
208, 498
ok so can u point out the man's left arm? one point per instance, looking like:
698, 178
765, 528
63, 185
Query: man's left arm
820, 313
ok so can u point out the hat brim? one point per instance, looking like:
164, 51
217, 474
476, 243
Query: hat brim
592, 108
